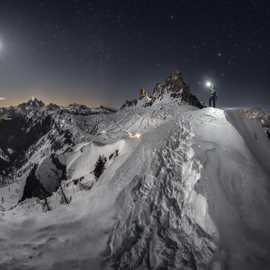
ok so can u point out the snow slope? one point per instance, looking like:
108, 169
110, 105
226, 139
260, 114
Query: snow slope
192, 192
236, 187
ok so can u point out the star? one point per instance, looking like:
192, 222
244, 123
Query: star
229, 61
219, 54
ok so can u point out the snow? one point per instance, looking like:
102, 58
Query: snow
9, 194
236, 187
83, 160
192, 192
3, 156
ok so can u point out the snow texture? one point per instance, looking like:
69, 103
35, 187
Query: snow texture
192, 192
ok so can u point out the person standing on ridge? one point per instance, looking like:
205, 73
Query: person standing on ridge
213, 94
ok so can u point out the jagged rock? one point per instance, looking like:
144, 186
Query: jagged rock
31, 104
52, 107
129, 103
142, 93
174, 85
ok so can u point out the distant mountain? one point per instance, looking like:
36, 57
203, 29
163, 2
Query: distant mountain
24, 125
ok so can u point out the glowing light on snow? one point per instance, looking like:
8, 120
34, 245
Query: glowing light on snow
103, 132
138, 135
134, 135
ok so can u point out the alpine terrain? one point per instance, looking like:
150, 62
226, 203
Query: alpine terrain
162, 183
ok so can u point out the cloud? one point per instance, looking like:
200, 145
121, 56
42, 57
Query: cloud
2, 98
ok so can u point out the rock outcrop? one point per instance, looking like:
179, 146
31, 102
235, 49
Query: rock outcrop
178, 88
174, 85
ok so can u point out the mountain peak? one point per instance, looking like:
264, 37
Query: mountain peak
36, 102
175, 86
32, 103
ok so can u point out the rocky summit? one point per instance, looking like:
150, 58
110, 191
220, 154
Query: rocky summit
175, 86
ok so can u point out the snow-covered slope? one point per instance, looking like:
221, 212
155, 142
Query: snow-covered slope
182, 188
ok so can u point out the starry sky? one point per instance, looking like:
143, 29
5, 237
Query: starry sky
103, 51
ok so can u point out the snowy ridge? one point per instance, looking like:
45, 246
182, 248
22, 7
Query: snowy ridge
190, 192
166, 224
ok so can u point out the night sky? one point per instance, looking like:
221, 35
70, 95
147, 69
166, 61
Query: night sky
102, 52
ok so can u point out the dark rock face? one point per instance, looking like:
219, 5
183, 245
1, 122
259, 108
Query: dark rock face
174, 83
33, 187
192, 100
129, 103
61, 167
19, 133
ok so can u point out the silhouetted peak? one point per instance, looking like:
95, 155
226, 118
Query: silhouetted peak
32, 103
